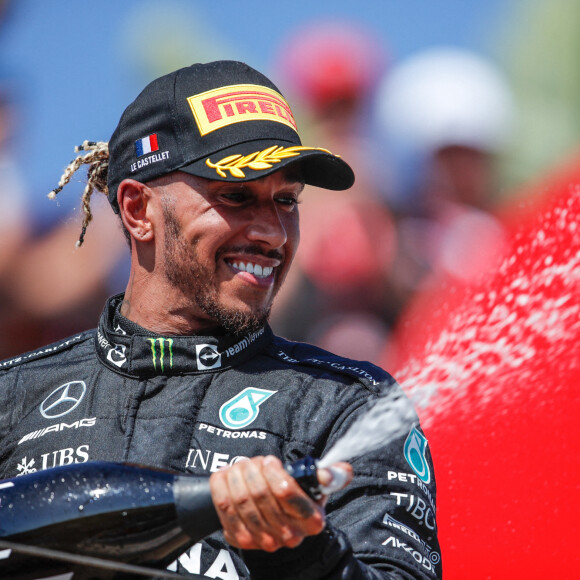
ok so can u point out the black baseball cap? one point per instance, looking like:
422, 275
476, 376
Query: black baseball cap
223, 121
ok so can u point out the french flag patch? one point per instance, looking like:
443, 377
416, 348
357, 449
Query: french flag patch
146, 145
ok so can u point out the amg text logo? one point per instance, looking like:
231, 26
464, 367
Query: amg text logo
86, 422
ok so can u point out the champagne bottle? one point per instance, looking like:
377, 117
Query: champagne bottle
112, 511
106, 510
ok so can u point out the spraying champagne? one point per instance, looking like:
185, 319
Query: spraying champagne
113, 511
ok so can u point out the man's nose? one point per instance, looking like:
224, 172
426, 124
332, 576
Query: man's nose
267, 226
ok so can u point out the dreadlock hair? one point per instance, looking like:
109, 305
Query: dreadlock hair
97, 158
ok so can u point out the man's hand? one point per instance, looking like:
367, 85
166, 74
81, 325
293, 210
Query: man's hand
261, 507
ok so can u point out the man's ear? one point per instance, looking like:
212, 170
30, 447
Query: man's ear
134, 198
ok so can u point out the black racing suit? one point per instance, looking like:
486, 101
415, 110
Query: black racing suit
195, 403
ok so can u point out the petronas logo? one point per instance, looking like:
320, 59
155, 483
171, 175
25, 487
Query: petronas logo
415, 447
161, 352
243, 409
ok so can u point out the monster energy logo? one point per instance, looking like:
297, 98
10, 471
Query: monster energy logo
159, 344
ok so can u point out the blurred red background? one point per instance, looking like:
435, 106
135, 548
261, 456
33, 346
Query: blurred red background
494, 367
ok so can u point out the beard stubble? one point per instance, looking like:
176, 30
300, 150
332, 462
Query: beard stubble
185, 272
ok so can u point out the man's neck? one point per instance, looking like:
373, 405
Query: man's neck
163, 312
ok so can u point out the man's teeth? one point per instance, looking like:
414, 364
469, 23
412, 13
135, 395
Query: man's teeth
254, 269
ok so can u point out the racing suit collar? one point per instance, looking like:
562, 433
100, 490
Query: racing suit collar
134, 353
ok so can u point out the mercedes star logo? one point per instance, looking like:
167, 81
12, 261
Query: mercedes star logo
63, 399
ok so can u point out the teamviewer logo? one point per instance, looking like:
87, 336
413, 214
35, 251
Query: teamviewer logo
208, 357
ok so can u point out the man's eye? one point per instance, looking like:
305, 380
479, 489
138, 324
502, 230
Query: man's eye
235, 197
288, 201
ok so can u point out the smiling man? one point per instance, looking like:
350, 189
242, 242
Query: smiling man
232, 242
205, 170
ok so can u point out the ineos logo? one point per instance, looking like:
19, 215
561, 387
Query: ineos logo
63, 400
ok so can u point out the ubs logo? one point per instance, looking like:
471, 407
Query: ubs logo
63, 400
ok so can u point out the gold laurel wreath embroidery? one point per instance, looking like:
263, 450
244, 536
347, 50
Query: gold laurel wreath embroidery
257, 161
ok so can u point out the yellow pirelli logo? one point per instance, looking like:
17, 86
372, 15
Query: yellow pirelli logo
225, 106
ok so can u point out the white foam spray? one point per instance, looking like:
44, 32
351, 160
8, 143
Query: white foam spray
387, 418
503, 332
518, 325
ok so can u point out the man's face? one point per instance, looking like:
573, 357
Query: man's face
227, 247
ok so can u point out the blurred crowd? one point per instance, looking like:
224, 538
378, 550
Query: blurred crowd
424, 136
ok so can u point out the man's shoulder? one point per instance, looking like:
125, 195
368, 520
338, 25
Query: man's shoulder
312, 358
58, 348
